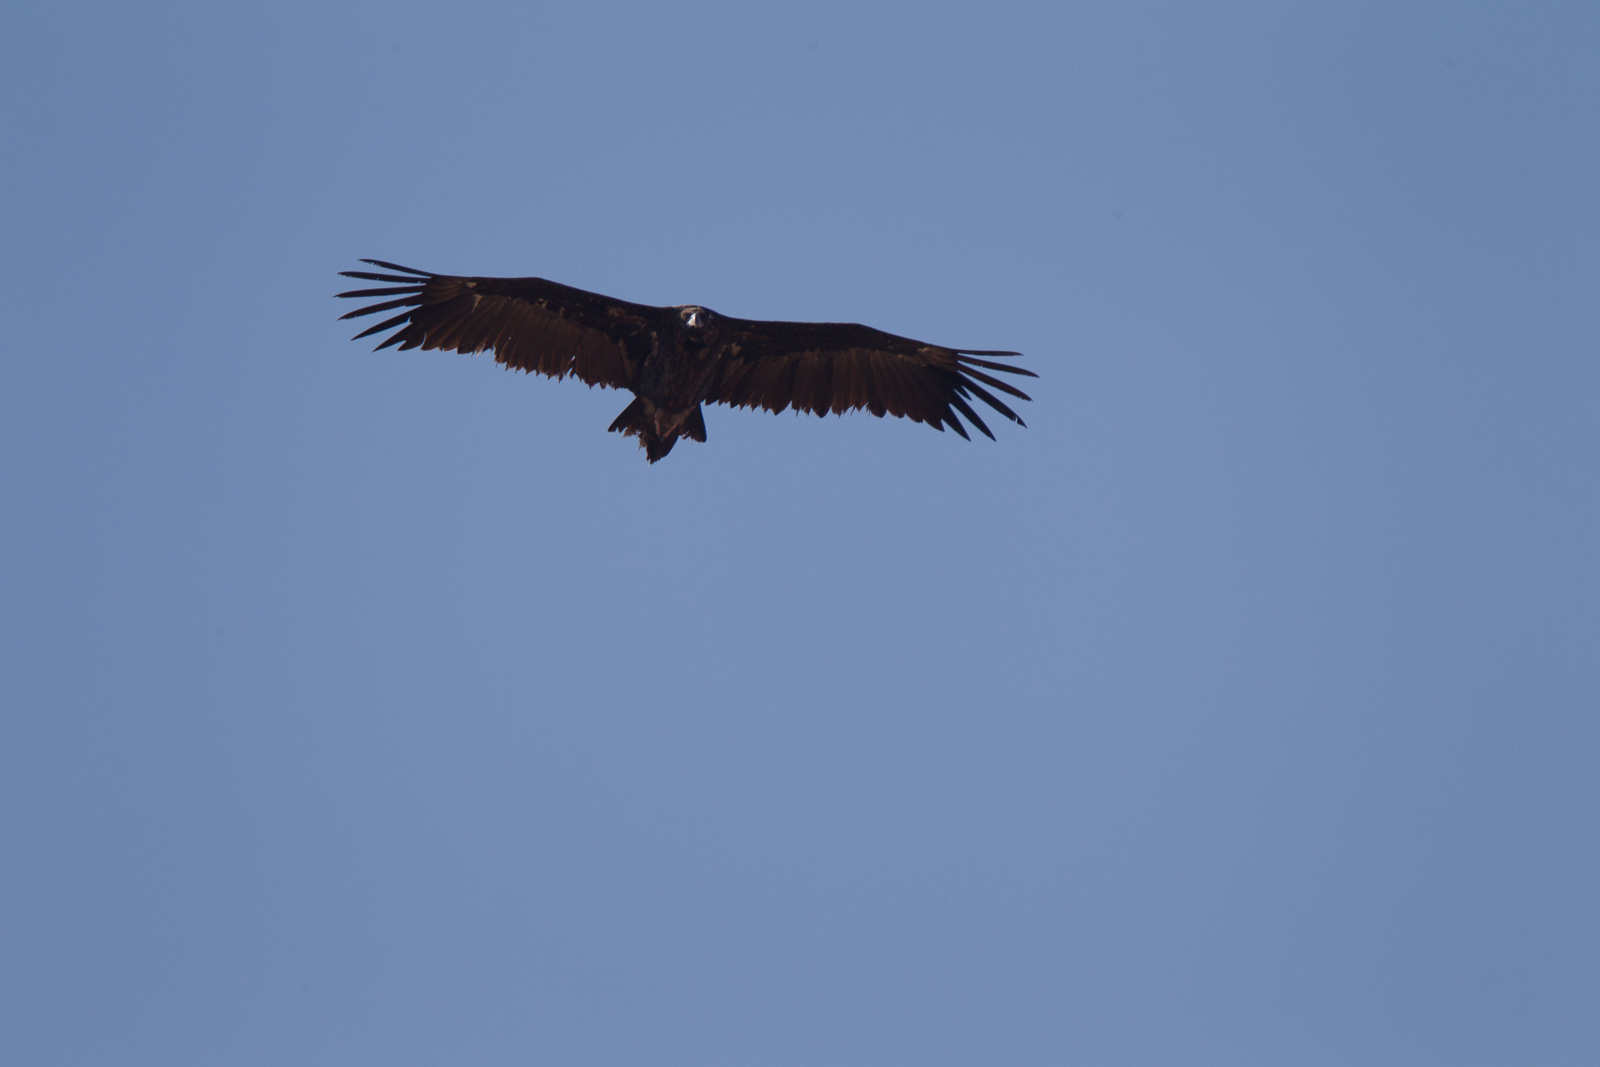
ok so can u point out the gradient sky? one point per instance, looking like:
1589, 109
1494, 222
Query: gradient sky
384, 709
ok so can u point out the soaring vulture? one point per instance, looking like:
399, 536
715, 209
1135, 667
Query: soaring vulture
673, 359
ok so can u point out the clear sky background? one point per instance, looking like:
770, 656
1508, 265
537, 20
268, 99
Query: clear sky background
384, 709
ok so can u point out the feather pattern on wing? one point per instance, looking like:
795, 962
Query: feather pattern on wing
530, 323
834, 366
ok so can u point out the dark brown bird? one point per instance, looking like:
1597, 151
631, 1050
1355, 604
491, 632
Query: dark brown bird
673, 359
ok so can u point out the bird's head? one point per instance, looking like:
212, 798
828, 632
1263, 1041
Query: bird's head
696, 318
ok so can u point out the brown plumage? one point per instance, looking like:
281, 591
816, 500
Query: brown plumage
673, 359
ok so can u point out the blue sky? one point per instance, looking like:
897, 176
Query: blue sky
382, 708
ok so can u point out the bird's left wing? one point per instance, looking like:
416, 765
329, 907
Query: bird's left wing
837, 366
530, 323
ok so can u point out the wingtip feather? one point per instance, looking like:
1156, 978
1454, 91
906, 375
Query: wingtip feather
386, 265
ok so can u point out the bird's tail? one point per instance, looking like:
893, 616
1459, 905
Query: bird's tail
636, 421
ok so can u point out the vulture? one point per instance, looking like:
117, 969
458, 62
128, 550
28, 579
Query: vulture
674, 359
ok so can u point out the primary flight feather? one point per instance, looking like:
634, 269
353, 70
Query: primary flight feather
673, 359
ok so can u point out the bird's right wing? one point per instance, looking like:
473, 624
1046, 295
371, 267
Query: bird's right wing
530, 323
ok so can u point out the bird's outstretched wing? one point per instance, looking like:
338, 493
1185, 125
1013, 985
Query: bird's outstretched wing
837, 366
530, 323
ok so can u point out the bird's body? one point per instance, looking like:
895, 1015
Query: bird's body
674, 359
674, 378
